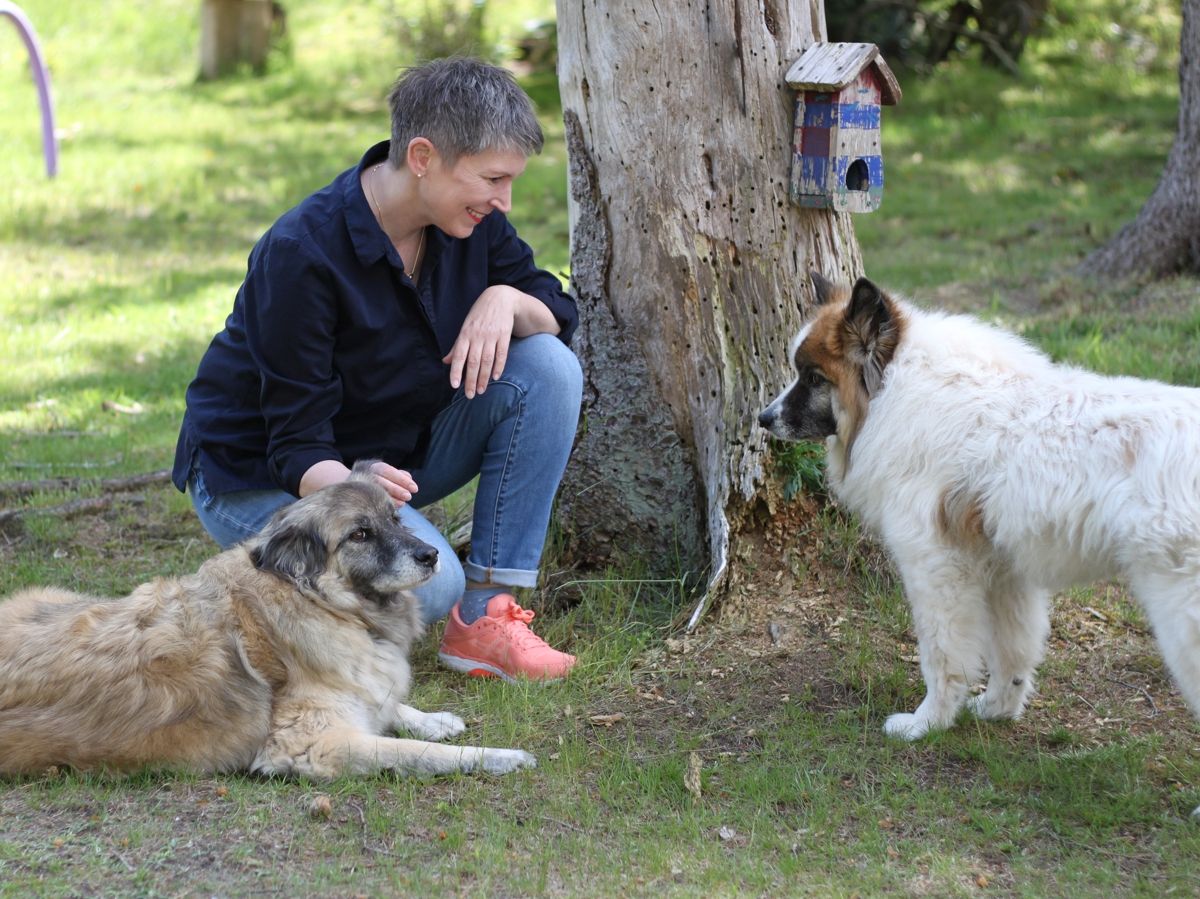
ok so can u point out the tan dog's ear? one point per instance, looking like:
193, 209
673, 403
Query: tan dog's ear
291, 552
362, 470
872, 330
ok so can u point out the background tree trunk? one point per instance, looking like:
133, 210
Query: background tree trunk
689, 263
1164, 239
233, 33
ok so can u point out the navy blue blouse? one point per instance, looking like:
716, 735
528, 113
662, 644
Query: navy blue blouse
332, 352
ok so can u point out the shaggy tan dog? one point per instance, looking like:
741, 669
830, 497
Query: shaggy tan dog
287, 654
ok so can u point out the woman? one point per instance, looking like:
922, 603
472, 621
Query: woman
396, 315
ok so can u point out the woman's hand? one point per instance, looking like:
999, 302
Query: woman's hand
481, 350
399, 484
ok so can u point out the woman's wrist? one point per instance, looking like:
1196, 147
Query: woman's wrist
329, 471
533, 317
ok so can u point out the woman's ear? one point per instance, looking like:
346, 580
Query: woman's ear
420, 153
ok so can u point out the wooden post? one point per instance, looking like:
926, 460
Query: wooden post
233, 32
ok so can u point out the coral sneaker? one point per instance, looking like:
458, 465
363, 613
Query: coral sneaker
500, 644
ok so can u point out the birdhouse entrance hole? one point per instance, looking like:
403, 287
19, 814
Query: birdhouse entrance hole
858, 176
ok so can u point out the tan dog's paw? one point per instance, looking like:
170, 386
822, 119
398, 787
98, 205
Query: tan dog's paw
505, 761
435, 725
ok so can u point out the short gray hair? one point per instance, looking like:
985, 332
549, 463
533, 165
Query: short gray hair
463, 106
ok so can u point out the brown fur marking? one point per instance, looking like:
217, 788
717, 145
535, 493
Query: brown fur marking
960, 518
839, 351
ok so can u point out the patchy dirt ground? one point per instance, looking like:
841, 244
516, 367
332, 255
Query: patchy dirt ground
796, 598
795, 605
811, 612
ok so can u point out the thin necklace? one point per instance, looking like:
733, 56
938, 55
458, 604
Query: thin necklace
411, 272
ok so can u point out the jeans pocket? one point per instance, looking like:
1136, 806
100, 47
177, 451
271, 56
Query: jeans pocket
196, 489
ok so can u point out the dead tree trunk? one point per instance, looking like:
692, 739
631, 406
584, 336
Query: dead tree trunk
689, 263
1164, 239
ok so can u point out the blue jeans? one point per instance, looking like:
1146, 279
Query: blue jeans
516, 436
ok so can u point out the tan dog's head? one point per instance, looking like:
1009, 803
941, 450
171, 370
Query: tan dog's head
345, 539
839, 357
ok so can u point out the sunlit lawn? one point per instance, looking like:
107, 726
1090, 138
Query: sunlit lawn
116, 273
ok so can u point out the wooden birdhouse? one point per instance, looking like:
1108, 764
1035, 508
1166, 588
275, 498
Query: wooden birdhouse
837, 156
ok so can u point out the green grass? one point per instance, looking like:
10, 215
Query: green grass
991, 179
118, 272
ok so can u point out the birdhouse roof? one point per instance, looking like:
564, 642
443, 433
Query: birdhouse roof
831, 66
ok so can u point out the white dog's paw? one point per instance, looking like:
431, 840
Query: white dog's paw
505, 761
436, 726
1196, 814
906, 726
981, 707
988, 710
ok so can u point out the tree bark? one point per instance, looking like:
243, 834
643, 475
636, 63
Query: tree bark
1164, 239
689, 263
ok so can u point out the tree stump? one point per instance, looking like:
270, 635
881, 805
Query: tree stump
690, 265
233, 33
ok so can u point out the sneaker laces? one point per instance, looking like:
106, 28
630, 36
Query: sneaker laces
517, 625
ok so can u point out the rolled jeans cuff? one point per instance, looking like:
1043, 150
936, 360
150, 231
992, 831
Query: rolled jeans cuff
502, 577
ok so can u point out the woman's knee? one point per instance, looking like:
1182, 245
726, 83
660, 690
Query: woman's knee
543, 364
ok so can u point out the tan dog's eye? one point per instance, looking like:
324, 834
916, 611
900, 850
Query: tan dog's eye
360, 536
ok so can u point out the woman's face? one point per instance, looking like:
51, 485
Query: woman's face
461, 196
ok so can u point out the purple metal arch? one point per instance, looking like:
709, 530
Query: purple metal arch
41, 78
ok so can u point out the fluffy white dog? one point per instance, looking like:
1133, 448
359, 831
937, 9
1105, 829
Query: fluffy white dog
996, 478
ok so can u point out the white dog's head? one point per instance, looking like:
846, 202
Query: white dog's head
840, 357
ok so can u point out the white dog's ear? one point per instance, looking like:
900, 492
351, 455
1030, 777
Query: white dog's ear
872, 329
824, 290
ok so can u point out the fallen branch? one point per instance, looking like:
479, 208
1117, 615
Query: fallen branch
1154, 710
73, 509
17, 489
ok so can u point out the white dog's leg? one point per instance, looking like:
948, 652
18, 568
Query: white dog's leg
1020, 623
428, 725
950, 618
1172, 605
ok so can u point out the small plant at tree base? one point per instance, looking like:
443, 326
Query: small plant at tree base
802, 467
